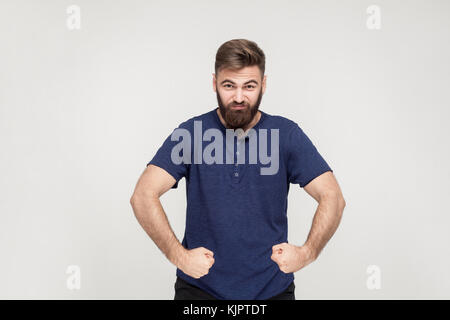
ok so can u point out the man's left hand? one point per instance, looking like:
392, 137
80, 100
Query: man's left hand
291, 258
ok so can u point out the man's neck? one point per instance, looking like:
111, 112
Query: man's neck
247, 127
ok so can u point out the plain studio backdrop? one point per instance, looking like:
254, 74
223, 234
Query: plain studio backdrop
84, 110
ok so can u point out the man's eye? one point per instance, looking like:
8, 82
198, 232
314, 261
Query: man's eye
248, 86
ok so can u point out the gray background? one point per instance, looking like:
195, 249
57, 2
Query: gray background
83, 111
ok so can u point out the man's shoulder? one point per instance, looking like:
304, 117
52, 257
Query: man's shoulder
282, 122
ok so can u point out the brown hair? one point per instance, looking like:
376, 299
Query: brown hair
239, 53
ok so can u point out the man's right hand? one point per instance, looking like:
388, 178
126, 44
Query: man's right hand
196, 262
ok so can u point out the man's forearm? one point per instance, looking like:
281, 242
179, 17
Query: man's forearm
326, 220
151, 216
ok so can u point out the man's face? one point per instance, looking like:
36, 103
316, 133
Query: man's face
239, 95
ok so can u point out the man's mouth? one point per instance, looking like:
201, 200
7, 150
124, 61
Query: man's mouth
238, 107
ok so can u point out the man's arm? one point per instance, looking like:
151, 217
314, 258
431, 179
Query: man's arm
326, 191
152, 184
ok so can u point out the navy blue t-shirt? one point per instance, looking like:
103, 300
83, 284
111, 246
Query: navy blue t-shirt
235, 210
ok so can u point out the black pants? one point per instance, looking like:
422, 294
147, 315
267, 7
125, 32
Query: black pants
186, 291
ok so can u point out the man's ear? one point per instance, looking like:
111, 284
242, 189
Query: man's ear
214, 82
264, 84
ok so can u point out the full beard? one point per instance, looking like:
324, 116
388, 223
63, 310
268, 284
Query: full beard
238, 118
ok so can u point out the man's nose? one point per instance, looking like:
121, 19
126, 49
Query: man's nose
238, 97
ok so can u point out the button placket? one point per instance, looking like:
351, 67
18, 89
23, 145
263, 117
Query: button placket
236, 165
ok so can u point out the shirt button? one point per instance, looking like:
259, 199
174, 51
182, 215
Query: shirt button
237, 152
236, 174
236, 164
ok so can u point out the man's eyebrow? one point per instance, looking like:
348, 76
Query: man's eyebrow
247, 82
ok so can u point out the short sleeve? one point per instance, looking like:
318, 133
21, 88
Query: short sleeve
163, 159
304, 161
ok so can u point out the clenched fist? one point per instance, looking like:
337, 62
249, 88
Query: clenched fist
291, 258
196, 262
